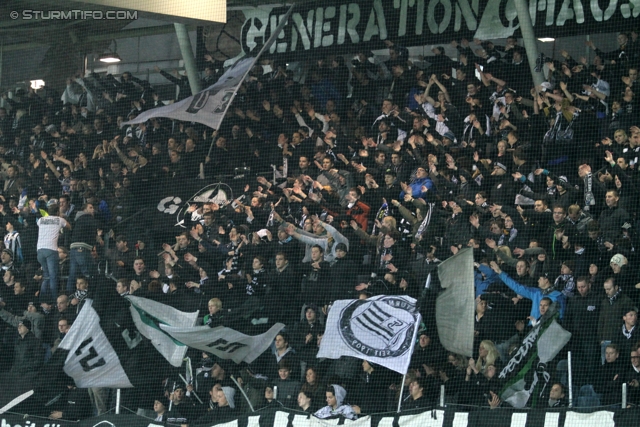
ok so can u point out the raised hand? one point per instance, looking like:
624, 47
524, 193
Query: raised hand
495, 267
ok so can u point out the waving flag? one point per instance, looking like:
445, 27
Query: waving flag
225, 343
103, 348
381, 330
149, 316
210, 105
91, 358
526, 373
455, 306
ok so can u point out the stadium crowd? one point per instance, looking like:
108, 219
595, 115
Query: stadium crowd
364, 177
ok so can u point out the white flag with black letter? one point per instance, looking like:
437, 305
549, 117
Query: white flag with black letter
381, 330
91, 360
225, 343
210, 105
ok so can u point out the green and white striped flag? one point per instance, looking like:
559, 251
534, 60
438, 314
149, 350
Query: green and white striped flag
148, 315
526, 373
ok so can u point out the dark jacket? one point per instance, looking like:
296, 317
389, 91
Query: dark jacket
611, 220
371, 390
582, 316
315, 282
414, 404
634, 392
611, 312
84, 233
609, 379
28, 355
285, 286
626, 341
343, 279
75, 404
307, 350
288, 392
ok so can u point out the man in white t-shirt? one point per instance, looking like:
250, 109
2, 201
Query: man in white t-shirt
48, 232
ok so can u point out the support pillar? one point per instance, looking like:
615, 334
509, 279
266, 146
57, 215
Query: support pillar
187, 55
529, 38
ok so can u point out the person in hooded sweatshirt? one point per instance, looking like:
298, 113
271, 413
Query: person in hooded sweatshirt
335, 397
226, 405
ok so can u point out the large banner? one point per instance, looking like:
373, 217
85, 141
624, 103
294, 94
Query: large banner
341, 26
447, 417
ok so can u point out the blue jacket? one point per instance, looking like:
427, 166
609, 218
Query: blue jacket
534, 294
482, 283
416, 188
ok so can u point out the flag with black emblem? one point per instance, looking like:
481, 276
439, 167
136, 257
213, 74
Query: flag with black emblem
381, 330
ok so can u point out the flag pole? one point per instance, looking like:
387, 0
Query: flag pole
243, 393
16, 401
570, 380
404, 378
184, 380
406, 368
171, 396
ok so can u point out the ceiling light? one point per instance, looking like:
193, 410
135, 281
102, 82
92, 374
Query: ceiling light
36, 84
547, 39
110, 57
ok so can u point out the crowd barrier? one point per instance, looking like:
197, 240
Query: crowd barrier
448, 417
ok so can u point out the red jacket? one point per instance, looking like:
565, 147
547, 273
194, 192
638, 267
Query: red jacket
360, 213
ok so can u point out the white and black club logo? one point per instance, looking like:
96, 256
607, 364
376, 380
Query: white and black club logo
218, 193
380, 328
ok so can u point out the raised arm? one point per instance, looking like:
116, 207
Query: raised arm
512, 284
50, 164
337, 236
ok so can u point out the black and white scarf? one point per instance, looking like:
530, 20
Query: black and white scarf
615, 296
425, 222
589, 199
626, 333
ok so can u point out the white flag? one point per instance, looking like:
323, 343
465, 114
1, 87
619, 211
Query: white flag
210, 105
91, 360
381, 330
149, 316
225, 343
455, 306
